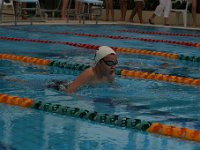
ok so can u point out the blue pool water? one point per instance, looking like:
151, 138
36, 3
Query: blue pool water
155, 101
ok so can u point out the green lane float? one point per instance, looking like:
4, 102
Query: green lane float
122, 72
189, 58
79, 67
115, 120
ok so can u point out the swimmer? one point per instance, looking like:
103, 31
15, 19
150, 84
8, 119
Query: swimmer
102, 72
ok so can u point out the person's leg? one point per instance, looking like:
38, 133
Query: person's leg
107, 10
158, 11
77, 9
15, 4
134, 11
194, 7
132, 14
123, 8
166, 21
167, 10
111, 8
24, 12
64, 9
139, 10
151, 19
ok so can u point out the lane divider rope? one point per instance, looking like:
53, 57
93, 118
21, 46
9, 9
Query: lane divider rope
122, 72
161, 33
119, 37
131, 38
115, 120
117, 49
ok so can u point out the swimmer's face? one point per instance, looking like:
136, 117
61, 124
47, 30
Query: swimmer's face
109, 63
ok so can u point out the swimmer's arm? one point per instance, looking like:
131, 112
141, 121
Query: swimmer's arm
81, 80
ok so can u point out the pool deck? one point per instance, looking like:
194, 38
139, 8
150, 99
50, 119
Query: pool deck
55, 21
9, 20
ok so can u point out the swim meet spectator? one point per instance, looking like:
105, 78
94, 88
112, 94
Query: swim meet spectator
164, 8
123, 8
194, 11
137, 10
64, 9
109, 9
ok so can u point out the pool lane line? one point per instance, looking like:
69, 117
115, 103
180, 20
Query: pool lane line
103, 118
130, 31
139, 39
160, 33
117, 37
58, 84
122, 72
25, 59
117, 49
143, 108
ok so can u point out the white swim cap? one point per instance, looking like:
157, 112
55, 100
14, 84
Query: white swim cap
102, 52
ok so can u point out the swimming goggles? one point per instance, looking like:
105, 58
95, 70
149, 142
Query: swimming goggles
110, 63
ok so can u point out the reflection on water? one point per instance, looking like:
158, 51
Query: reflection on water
156, 101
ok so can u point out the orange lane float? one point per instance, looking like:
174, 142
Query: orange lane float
173, 131
14, 100
160, 77
24, 59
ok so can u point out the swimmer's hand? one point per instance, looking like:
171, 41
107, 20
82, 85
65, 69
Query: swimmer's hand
58, 85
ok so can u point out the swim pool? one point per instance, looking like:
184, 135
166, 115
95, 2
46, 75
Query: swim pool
152, 100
